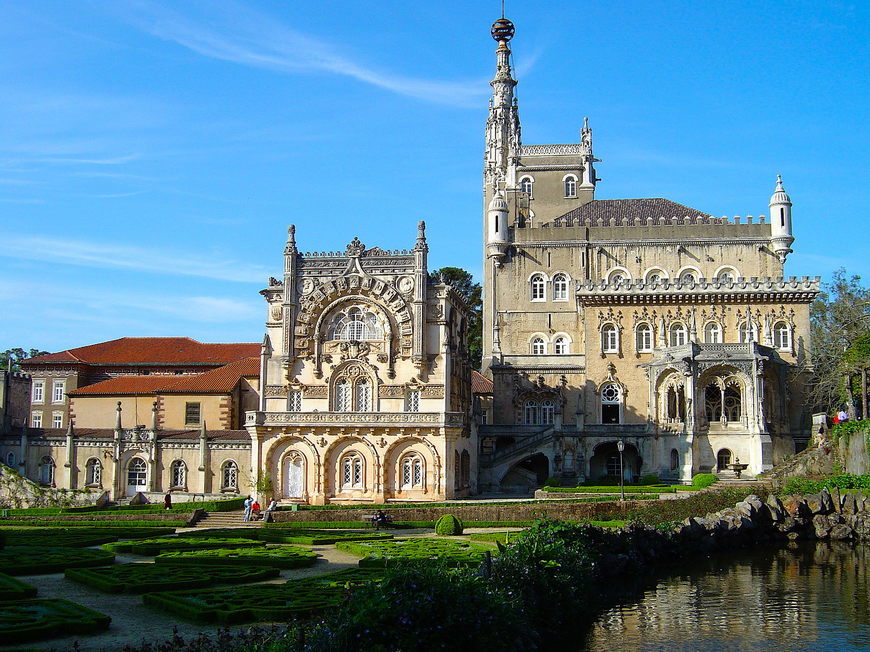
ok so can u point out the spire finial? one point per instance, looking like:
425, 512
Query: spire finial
290, 247
779, 182
502, 29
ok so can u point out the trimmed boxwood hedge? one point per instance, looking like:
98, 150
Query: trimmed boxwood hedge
49, 535
379, 553
448, 525
642, 489
263, 602
63, 540
277, 556
39, 560
146, 577
153, 547
12, 589
93, 524
229, 505
319, 537
33, 620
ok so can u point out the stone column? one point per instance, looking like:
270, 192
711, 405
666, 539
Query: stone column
203, 459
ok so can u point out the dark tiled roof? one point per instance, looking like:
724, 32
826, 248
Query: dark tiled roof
480, 384
600, 212
153, 350
220, 435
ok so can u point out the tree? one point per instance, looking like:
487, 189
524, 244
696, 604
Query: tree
15, 356
839, 323
463, 282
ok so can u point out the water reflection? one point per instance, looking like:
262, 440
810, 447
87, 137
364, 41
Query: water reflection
812, 596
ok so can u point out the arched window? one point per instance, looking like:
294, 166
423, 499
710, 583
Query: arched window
675, 404
782, 336
712, 333
570, 186
530, 413
356, 324
644, 338
688, 277
538, 287
560, 287
609, 338
655, 276
723, 459
526, 184
10, 460
726, 275
93, 473
560, 345
46, 471
539, 346
363, 395
457, 470
548, 411
136, 471
230, 476
675, 459
617, 276
747, 333
352, 476
412, 472
678, 335
611, 403
342, 396
178, 474
732, 403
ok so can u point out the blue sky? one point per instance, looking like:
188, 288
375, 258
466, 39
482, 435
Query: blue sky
152, 154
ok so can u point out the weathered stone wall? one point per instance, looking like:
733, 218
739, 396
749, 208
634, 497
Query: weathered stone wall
19, 492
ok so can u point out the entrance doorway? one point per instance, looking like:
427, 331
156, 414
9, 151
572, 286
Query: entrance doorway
295, 474
136, 472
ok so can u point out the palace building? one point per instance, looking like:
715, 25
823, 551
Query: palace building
635, 323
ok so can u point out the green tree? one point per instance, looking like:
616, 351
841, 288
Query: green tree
839, 323
14, 357
463, 282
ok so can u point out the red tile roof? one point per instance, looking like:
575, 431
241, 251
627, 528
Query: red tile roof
153, 350
217, 381
480, 384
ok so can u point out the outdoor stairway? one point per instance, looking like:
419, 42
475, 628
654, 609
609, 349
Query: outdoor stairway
226, 519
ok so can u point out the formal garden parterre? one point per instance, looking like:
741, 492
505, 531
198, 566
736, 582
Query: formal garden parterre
37, 560
377, 554
37, 619
284, 556
152, 547
147, 577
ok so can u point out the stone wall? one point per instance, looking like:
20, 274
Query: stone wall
18, 492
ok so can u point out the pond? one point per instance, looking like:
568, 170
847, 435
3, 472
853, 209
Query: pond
807, 596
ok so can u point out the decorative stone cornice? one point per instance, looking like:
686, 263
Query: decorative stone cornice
351, 419
567, 149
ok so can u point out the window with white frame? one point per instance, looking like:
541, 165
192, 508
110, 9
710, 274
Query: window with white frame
609, 338
539, 346
747, 333
560, 345
782, 336
644, 338
570, 186
36, 420
353, 393
678, 334
94, 472
412, 400
355, 323
688, 277
57, 391
57, 420
530, 413
616, 277
230, 475
294, 400
363, 391
137, 471
712, 333
548, 411
352, 471
560, 287
538, 287
611, 403
726, 275
526, 184
342, 396
412, 472
38, 391
178, 473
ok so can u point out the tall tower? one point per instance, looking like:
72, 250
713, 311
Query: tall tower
781, 235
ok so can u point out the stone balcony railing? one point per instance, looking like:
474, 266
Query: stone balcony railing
407, 419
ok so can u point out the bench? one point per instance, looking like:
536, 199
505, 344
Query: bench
371, 520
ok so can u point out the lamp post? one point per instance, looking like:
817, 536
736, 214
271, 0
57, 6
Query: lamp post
620, 446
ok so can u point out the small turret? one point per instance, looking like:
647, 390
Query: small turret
497, 228
781, 237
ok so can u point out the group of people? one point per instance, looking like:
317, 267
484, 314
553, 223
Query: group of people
253, 512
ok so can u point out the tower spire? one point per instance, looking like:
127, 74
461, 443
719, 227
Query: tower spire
503, 140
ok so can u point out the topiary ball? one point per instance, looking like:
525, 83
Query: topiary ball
448, 525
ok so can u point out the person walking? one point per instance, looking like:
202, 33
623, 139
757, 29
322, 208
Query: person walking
249, 502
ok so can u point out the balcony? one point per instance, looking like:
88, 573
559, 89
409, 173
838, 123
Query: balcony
405, 419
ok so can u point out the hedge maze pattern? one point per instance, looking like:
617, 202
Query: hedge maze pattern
277, 556
153, 547
32, 620
146, 577
33, 560
12, 589
379, 553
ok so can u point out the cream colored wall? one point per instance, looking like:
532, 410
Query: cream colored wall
101, 411
214, 409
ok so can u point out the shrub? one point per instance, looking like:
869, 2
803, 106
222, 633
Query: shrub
448, 525
841, 481
553, 482
32, 620
381, 553
652, 478
33, 560
703, 480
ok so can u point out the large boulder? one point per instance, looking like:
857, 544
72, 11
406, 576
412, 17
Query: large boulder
850, 505
822, 525
775, 508
796, 506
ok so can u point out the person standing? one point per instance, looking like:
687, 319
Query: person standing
167, 501
249, 502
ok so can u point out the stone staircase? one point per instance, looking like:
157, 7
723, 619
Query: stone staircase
225, 520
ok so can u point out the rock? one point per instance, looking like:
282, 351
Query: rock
774, 506
746, 509
822, 526
795, 506
827, 502
850, 505
840, 532
787, 524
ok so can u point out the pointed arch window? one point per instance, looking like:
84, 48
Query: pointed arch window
363, 395
644, 338
178, 474
712, 333
352, 471
675, 459
538, 287
560, 287
782, 336
93, 473
230, 476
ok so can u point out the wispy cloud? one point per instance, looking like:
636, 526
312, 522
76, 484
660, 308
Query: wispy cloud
112, 160
248, 38
121, 256
117, 195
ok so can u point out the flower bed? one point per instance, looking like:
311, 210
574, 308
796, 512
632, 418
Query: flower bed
264, 602
35, 560
153, 547
33, 620
277, 556
12, 589
378, 553
143, 578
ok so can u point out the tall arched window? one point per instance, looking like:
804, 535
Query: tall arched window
457, 471
609, 338
538, 287
357, 324
539, 346
93, 473
178, 474
644, 338
412, 471
678, 335
352, 476
526, 184
723, 459
712, 333
230, 476
560, 345
747, 333
782, 336
10, 460
363, 395
571, 186
530, 413
548, 411
342, 396
136, 474
560, 287
675, 459
611, 403
46, 471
